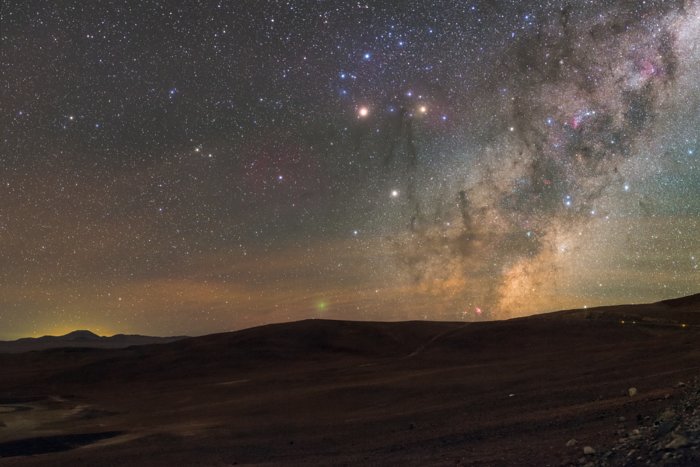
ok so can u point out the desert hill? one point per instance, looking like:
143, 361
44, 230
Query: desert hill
678, 311
80, 338
337, 392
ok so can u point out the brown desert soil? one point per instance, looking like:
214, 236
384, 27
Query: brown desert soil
323, 392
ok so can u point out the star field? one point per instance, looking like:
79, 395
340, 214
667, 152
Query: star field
193, 167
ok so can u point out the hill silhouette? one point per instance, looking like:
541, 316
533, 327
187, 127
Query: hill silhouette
80, 338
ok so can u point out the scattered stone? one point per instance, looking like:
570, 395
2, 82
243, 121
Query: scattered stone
680, 384
678, 441
665, 427
669, 438
571, 442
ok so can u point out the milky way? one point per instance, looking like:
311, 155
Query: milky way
191, 168
584, 98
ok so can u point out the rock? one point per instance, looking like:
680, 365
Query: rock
622, 419
571, 442
680, 384
588, 450
632, 392
678, 441
665, 427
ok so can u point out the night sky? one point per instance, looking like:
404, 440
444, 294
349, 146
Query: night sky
196, 167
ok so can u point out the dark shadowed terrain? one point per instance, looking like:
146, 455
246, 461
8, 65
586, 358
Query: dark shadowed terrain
85, 339
529, 391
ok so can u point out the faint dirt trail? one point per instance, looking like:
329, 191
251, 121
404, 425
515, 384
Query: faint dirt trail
433, 339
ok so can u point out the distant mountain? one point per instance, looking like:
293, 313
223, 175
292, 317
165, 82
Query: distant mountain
80, 335
81, 338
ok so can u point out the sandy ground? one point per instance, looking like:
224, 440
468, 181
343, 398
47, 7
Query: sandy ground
335, 393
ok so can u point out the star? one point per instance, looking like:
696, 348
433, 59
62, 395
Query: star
462, 144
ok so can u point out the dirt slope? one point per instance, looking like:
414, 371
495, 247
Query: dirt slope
335, 392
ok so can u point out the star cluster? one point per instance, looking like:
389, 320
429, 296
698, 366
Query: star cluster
190, 167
